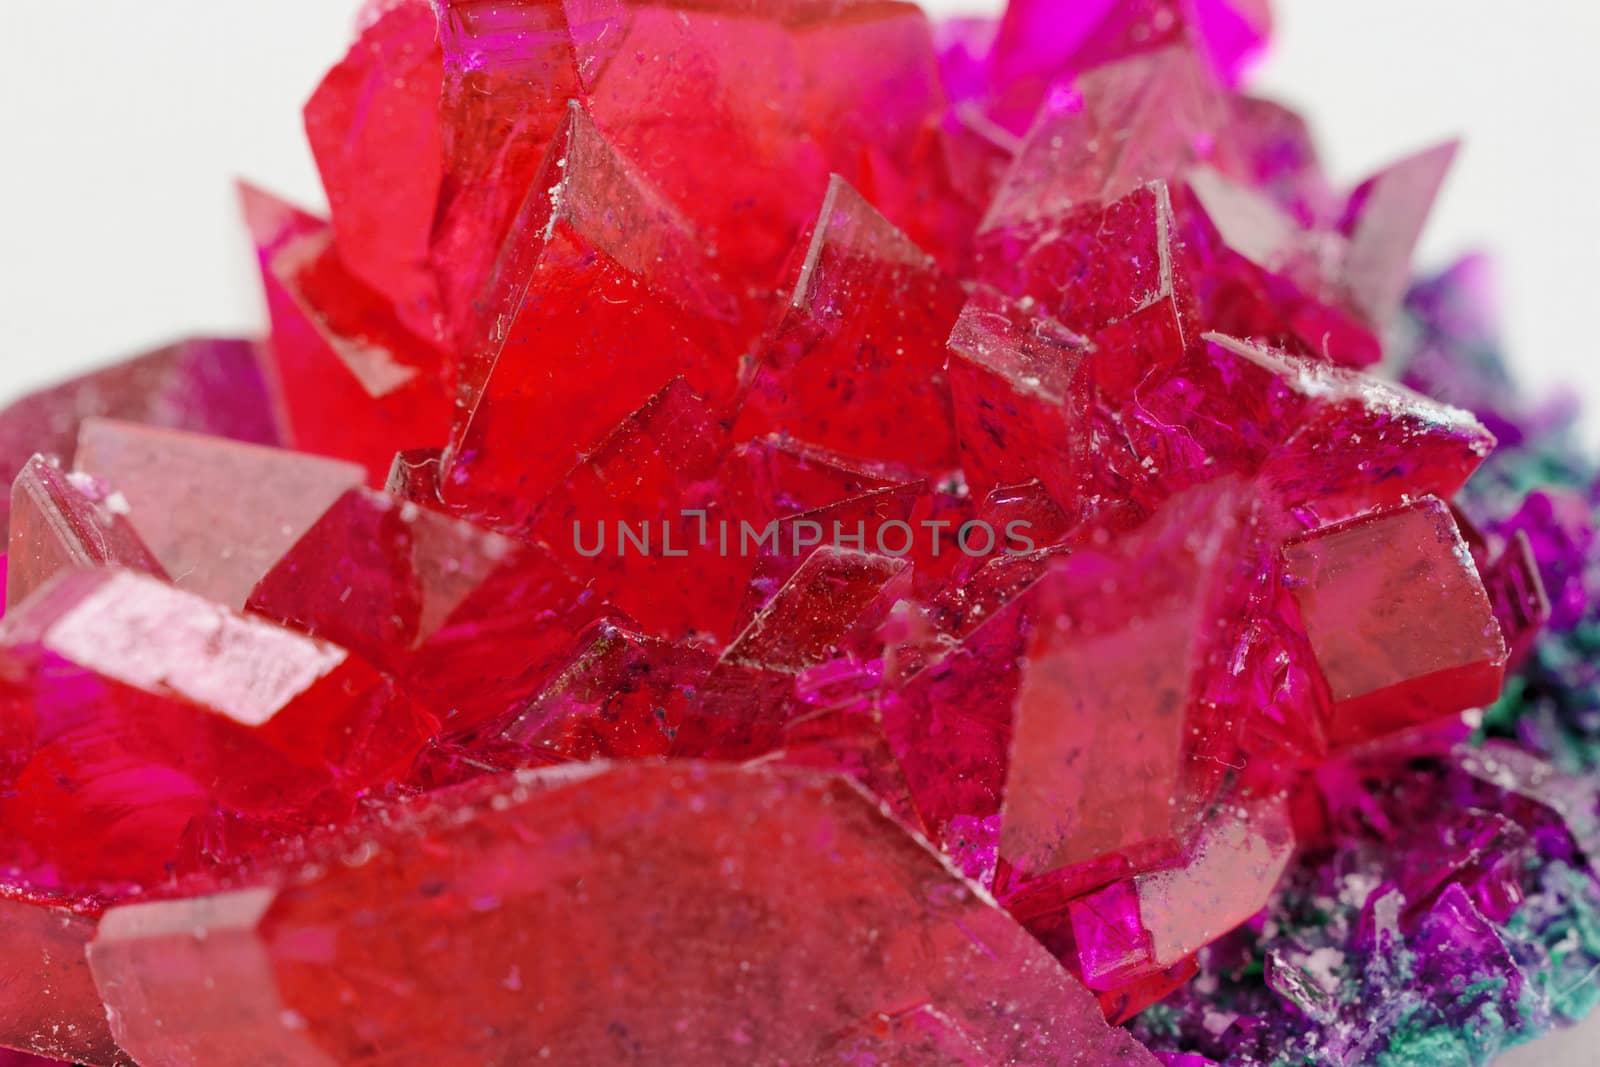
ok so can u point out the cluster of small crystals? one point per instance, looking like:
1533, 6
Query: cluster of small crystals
1450, 904
776, 531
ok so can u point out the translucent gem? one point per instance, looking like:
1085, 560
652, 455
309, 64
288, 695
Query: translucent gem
61, 521
712, 882
1398, 618
141, 709
235, 512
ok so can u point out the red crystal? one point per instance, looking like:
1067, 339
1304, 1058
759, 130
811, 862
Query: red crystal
140, 711
840, 349
808, 621
465, 618
1105, 268
1038, 43
1353, 441
949, 724
1332, 290
1397, 617
1015, 380
1233, 867
1382, 223
637, 516
373, 125
355, 381
844, 87
208, 386
717, 910
508, 74
61, 521
616, 695
235, 512
1515, 588
13, 1058
599, 300
1155, 106
48, 1001
1110, 711
955, 433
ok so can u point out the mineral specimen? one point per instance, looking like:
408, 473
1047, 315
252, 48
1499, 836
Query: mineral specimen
61, 521
563, 917
209, 386
260, 500
781, 532
136, 712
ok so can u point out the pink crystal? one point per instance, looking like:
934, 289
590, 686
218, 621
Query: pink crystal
61, 521
612, 894
207, 386
1398, 618
237, 510
141, 711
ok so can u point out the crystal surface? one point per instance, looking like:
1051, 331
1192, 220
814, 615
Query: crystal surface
1398, 618
811, 619
616, 694
48, 1001
355, 381
1015, 381
704, 903
374, 127
863, 332
1106, 269
640, 516
464, 617
138, 711
61, 521
209, 386
508, 72
1037, 44
1108, 704
599, 300
236, 511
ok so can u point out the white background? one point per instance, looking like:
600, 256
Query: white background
123, 124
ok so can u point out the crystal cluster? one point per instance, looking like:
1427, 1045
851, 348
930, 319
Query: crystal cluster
783, 532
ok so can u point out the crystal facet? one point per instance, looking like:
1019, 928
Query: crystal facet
140, 711
61, 521
1397, 617
708, 906
215, 387
238, 508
